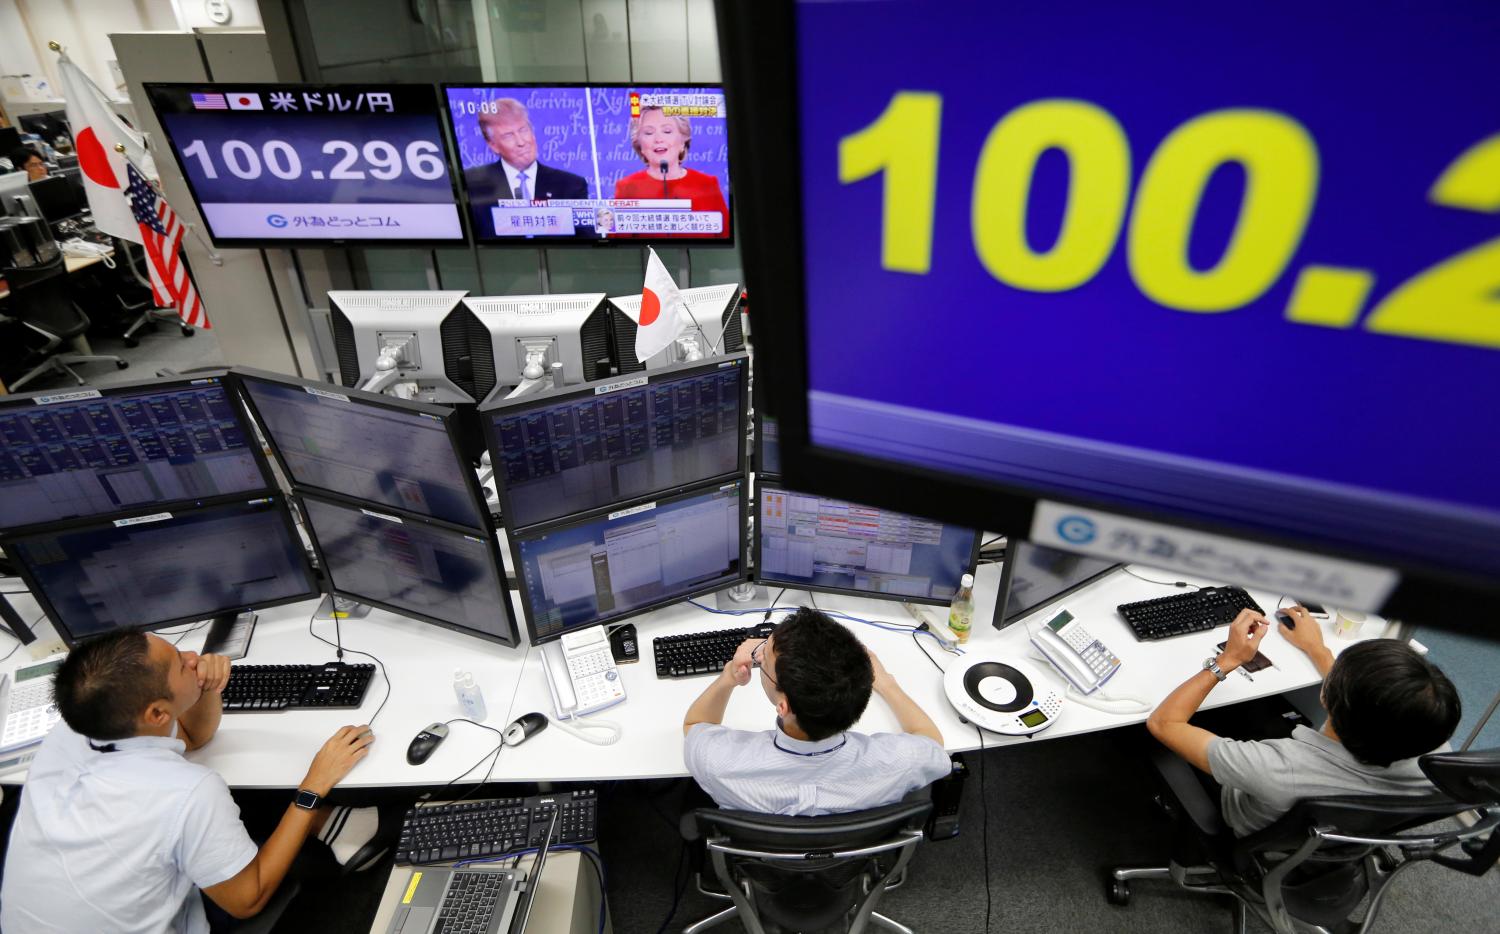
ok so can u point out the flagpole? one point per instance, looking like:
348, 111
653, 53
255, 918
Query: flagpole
213, 254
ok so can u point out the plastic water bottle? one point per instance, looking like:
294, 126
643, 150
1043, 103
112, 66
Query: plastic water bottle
961, 610
469, 695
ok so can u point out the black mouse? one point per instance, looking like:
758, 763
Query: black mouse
1285, 618
425, 742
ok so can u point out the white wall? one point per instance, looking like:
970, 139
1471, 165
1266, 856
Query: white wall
82, 27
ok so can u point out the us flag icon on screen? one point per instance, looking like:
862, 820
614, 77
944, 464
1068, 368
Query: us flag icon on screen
244, 100
209, 102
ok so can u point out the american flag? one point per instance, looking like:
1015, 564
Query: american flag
161, 234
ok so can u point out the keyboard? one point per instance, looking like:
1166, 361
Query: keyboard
1183, 613
472, 901
702, 653
439, 833
280, 687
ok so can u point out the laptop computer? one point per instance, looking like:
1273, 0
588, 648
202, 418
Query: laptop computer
473, 900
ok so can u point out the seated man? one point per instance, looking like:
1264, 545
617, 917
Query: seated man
818, 677
1386, 706
117, 831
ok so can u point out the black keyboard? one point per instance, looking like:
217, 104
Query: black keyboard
279, 687
1183, 613
702, 653
471, 901
439, 833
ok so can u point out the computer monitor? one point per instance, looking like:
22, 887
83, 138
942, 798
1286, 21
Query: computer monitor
634, 164
49, 126
717, 309
617, 563
15, 196
767, 446
413, 337
525, 334
178, 564
818, 543
56, 198
1033, 577
412, 566
572, 451
384, 451
10, 141
1039, 343
98, 452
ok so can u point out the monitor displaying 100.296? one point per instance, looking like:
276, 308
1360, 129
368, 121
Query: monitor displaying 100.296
288, 163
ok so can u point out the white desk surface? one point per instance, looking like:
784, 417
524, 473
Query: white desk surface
274, 749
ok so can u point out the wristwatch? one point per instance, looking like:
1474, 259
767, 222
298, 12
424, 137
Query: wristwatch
1212, 664
309, 800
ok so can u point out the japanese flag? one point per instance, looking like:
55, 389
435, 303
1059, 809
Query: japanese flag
662, 316
96, 133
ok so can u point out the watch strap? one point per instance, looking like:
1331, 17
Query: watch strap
1211, 664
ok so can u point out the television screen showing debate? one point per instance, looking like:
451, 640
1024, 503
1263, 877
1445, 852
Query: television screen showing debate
589, 164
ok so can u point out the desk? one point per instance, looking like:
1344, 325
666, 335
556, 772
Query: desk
270, 750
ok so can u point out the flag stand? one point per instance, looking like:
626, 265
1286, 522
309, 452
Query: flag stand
214, 255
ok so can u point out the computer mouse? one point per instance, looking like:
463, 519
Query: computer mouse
1285, 618
425, 742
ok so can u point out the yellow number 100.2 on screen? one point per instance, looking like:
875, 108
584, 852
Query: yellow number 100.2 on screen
1454, 300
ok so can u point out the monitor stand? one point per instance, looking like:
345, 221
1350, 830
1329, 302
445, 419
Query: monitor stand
741, 596
14, 623
230, 634
340, 608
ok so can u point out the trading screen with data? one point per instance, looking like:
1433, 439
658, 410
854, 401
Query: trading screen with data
80, 454
620, 442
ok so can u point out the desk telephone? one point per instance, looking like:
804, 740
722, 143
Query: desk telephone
581, 673
1080, 658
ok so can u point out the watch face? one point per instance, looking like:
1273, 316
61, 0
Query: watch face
307, 799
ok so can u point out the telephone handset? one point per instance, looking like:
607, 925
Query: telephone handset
581, 673
1077, 655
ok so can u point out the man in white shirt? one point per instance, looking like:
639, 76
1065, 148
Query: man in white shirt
116, 831
819, 678
1386, 704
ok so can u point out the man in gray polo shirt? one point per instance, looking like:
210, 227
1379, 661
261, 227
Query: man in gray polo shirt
819, 678
1386, 706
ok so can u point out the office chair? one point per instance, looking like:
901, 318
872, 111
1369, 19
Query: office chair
39, 299
807, 873
146, 311
1310, 870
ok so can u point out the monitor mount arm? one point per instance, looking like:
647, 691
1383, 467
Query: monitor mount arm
388, 369
539, 382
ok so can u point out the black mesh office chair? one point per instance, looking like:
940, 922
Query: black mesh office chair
147, 313
807, 873
39, 299
1311, 870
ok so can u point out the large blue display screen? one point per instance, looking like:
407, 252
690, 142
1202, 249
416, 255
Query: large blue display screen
599, 162
1238, 266
313, 162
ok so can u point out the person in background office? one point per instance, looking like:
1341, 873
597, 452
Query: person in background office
118, 832
507, 129
26, 160
663, 142
1386, 706
819, 678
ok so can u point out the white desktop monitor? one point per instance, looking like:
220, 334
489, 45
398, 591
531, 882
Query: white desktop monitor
717, 308
426, 334
15, 196
529, 333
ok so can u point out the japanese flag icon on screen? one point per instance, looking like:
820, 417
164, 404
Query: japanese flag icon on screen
244, 100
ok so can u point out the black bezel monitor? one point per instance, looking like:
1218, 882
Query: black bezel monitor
408, 490
313, 165
112, 431
1068, 573
176, 562
1344, 502
619, 518
591, 136
419, 531
764, 486
521, 509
